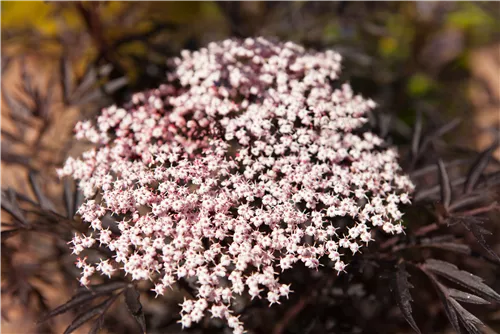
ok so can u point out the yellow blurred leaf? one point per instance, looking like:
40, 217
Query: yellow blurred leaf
28, 14
469, 16
387, 46
419, 84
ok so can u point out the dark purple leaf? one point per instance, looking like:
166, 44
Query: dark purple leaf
16, 106
106, 287
478, 167
431, 192
87, 82
69, 199
24, 198
79, 198
466, 297
384, 124
90, 97
87, 91
401, 287
115, 84
98, 323
417, 134
438, 133
66, 79
400, 128
26, 78
440, 238
45, 103
73, 303
489, 180
9, 204
5, 62
132, 299
83, 297
89, 314
9, 233
464, 278
443, 294
450, 246
473, 225
6, 135
445, 129
467, 200
445, 185
45, 203
472, 324
14, 158
40, 298
431, 168
450, 312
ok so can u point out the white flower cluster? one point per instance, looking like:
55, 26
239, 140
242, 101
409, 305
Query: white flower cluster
240, 165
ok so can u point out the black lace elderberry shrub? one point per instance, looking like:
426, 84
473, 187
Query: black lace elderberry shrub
208, 192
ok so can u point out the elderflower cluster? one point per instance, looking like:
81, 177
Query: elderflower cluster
245, 162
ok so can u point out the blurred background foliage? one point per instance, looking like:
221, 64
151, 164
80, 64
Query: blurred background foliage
409, 56
62, 61
423, 36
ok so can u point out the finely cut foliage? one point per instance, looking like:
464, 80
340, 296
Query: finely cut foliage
461, 277
245, 162
401, 287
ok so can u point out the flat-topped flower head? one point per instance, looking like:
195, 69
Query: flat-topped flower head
240, 165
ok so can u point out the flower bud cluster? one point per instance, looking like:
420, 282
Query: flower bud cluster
242, 164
